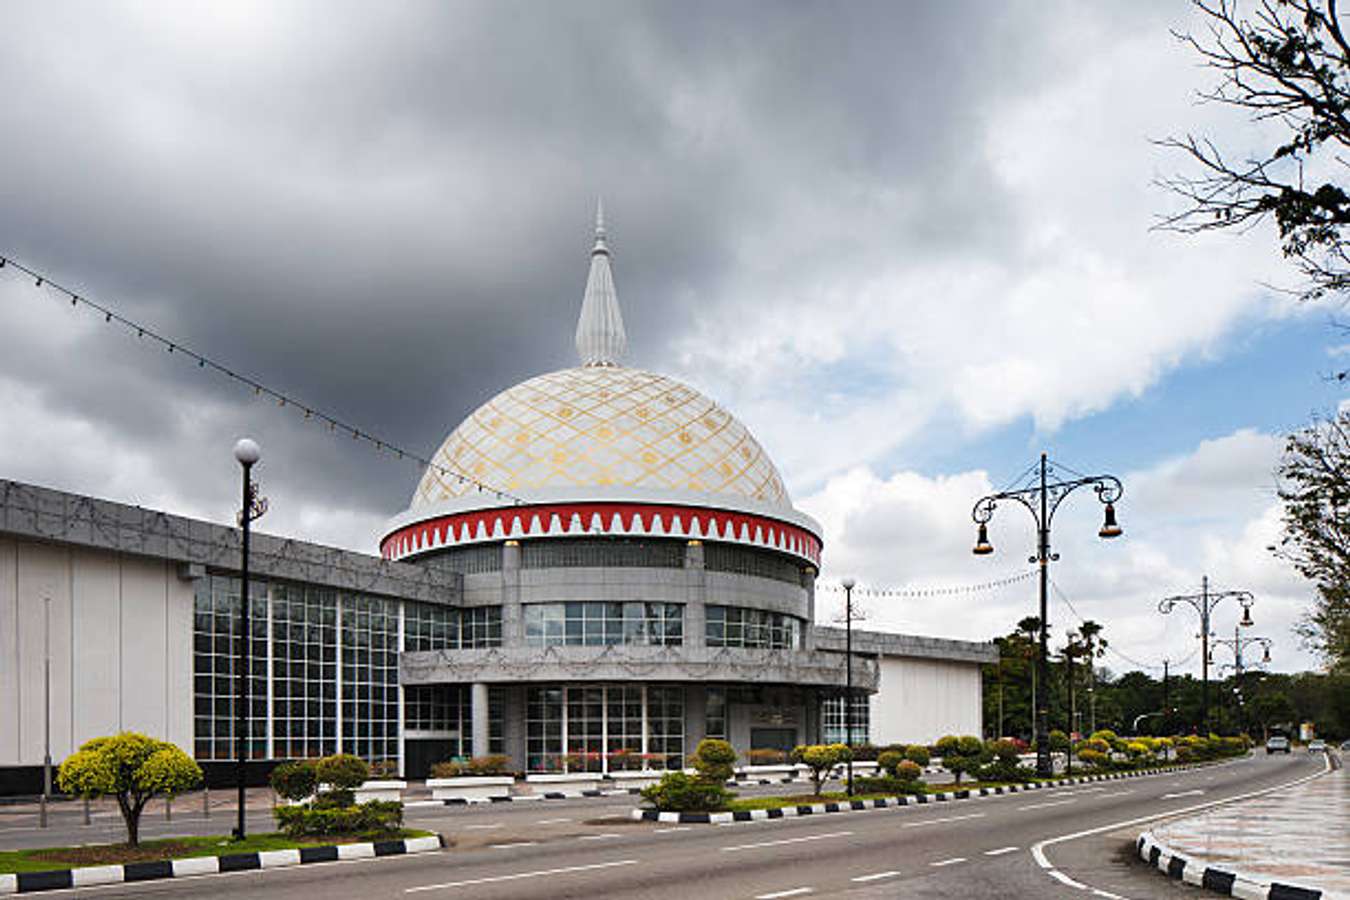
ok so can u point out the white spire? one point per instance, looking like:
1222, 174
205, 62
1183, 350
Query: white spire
601, 340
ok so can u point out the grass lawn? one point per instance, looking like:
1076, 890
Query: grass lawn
47, 858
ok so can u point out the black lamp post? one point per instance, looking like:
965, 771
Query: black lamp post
247, 453
1042, 499
1238, 645
848, 584
1203, 603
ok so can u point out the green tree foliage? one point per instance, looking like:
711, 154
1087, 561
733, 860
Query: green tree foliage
1286, 64
679, 792
714, 760
962, 755
342, 774
1315, 488
294, 780
132, 768
820, 760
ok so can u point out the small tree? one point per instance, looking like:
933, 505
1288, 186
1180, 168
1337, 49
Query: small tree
715, 761
961, 755
820, 759
131, 767
294, 780
342, 773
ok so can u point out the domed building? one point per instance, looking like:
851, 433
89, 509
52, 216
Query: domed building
645, 579
600, 568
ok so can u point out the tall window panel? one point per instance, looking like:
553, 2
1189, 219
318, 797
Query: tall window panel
716, 713
370, 677
304, 671
665, 726
544, 728
834, 728
216, 645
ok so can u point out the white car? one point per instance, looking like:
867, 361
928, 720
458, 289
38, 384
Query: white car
1317, 746
1277, 743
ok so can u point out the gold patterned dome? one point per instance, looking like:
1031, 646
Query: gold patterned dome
603, 426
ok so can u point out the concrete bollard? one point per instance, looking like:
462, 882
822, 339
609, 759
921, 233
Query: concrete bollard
206, 802
168, 809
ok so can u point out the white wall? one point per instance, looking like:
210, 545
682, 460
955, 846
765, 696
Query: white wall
121, 648
919, 700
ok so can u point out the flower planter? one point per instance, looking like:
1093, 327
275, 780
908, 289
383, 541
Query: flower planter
568, 782
383, 789
470, 787
780, 770
635, 779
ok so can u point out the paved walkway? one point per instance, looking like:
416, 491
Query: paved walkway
1297, 837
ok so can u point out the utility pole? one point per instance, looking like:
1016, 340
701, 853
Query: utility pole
46, 710
1167, 706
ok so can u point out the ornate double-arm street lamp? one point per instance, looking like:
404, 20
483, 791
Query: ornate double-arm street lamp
1238, 645
246, 452
1042, 499
1203, 603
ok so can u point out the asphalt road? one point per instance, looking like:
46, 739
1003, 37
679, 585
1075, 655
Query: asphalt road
976, 848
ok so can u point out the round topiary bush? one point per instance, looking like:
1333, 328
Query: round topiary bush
890, 761
715, 761
918, 754
294, 780
907, 770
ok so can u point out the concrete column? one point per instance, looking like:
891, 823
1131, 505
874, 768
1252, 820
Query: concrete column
513, 725
478, 713
695, 716
809, 584
513, 619
696, 597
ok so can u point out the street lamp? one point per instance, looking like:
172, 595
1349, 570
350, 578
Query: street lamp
1203, 603
1042, 499
247, 453
848, 584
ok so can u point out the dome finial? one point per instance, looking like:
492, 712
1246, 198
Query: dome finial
601, 340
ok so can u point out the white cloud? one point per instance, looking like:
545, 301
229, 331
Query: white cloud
914, 532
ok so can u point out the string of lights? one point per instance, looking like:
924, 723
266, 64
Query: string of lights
283, 400
930, 592
1111, 648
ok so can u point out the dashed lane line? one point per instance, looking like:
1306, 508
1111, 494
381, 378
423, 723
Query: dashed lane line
482, 827
598, 837
875, 876
1000, 851
673, 830
1195, 793
1044, 805
792, 892
796, 840
517, 876
512, 845
551, 821
941, 820
1116, 794
948, 862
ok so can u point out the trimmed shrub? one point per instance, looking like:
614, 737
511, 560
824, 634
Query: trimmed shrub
866, 753
908, 770
890, 760
1059, 741
962, 755
295, 780
820, 759
888, 785
766, 757
714, 760
678, 792
384, 768
448, 769
1094, 758
488, 765
918, 753
1005, 763
342, 771
374, 817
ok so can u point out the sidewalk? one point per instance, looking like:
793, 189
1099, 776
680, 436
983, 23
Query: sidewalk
1300, 838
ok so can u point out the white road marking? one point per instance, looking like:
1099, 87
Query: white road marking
509, 846
597, 837
551, 821
948, 862
943, 819
797, 840
1000, 851
876, 876
1044, 805
794, 892
1195, 793
482, 827
1065, 879
1116, 794
673, 830
519, 875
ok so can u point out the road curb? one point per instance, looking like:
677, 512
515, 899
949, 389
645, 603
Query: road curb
816, 809
1198, 873
86, 876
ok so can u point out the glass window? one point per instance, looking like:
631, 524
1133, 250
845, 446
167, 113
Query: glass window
735, 626
602, 624
716, 724
834, 727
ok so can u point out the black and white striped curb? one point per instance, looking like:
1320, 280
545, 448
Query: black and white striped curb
816, 809
1225, 881
58, 879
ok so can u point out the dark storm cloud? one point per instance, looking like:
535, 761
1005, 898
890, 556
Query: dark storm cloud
385, 210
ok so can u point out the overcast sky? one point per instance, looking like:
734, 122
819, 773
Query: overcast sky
908, 244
